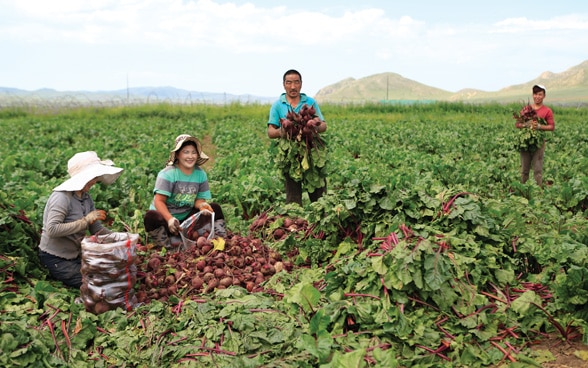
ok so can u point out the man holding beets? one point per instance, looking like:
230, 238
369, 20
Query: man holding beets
294, 101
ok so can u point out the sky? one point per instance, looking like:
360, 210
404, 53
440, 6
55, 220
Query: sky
244, 47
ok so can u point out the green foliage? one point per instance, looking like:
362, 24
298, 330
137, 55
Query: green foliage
426, 240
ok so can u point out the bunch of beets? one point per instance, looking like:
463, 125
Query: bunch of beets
526, 114
278, 227
202, 268
528, 139
301, 126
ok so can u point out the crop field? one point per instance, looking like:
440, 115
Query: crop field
426, 251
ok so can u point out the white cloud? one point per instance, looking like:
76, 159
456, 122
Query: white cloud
523, 24
168, 42
198, 23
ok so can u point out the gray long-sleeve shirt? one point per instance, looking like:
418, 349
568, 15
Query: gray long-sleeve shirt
64, 226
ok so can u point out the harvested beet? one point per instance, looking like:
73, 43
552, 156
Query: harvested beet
197, 283
154, 264
226, 281
245, 262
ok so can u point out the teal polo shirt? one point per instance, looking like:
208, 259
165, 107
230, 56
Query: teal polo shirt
281, 107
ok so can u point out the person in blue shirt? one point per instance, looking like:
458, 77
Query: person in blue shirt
293, 100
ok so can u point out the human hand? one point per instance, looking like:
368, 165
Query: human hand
94, 216
173, 224
534, 124
205, 206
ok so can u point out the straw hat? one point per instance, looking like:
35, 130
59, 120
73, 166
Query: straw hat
180, 140
86, 166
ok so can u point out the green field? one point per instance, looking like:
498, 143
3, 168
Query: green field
427, 250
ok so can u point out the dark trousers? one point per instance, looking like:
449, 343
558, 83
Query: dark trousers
64, 270
532, 160
294, 192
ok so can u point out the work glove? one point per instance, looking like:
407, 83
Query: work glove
173, 224
94, 216
205, 206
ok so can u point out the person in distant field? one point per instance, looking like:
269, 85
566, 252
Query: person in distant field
293, 100
534, 159
70, 213
181, 190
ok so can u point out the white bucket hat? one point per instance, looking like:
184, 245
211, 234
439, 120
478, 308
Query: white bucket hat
180, 140
86, 166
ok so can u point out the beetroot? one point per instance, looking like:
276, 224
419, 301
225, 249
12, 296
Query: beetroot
197, 283
154, 264
200, 265
226, 281
245, 262
219, 273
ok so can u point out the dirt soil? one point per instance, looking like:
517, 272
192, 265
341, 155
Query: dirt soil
555, 353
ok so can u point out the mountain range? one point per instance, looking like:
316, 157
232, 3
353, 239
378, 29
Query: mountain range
568, 87
565, 88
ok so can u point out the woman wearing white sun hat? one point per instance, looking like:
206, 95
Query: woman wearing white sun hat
70, 213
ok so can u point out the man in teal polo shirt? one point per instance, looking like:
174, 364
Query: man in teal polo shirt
293, 100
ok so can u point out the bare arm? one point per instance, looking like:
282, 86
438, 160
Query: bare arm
274, 132
159, 202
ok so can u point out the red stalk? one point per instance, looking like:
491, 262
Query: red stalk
487, 306
384, 285
176, 341
353, 295
506, 353
423, 303
437, 351
64, 330
51, 328
494, 297
438, 324
218, 351
447, 206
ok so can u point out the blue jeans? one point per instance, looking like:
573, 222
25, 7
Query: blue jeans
64, 270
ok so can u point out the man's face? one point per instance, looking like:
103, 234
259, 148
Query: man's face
538, 97
292, 85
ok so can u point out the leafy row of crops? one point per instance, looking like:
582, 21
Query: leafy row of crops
426, 250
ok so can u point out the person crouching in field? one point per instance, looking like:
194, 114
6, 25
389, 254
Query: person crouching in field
181, 190
70, 213
534, 159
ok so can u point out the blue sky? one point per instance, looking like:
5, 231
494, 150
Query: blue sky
244, 47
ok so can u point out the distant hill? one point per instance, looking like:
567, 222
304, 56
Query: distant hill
568, 87
134, 95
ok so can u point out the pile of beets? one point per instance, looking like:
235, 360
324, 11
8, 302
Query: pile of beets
187, 273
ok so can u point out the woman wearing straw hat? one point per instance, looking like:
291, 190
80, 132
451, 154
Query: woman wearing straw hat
181, 190
70, 213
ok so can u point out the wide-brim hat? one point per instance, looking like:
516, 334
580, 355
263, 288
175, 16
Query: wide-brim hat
180, 140
84, 167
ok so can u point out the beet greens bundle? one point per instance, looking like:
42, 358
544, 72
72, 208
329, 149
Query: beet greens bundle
529, 139
302, 154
